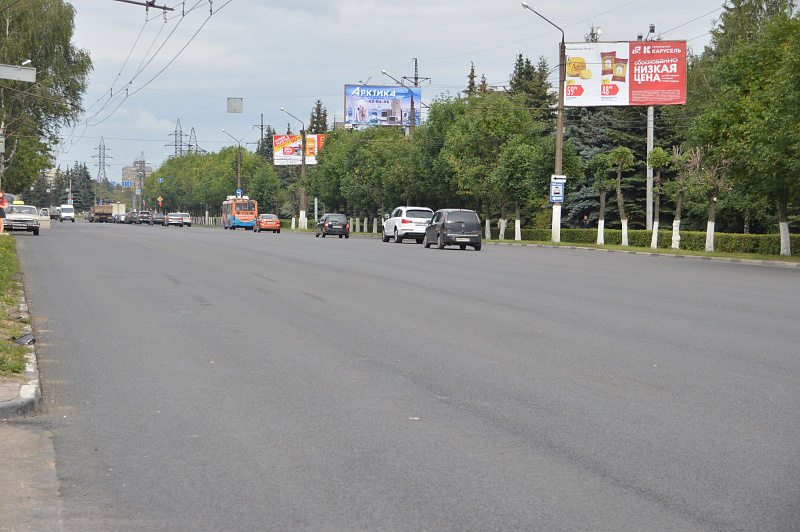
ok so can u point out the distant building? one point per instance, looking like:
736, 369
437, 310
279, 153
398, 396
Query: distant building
132, 174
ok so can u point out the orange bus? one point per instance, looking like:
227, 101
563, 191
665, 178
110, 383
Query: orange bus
239, 211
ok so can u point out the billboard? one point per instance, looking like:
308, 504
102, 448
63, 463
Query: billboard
381, 106
625, 73
288, 149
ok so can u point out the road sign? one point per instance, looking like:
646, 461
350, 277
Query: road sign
160, 199
18, 73
556, 192
238, 193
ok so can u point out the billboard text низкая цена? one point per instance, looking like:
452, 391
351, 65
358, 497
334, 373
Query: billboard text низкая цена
625, 73
378, 105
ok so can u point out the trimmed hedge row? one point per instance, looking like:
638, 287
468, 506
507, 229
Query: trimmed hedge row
690, 240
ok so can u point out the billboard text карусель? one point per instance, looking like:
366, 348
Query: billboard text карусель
625, 73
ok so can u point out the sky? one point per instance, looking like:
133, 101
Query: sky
153, 69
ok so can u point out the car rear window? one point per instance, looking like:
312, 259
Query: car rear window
462, 216
419, 213
338, 218
269, 217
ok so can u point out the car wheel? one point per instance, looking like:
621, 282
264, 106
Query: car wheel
462, 246
278, 231
419, 241
398, 238
384, 236
347, 236
340, 236
477, 247
36, 232
439, 241
425, 242
323, 234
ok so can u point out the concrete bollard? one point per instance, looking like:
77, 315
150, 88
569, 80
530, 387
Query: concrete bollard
293, 222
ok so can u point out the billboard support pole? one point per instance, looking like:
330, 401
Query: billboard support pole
650, 127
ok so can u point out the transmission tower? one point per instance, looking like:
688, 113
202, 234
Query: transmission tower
177, 142
192, 142
139, 164
101, 156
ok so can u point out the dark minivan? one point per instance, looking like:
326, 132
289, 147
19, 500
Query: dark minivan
332, 224
454, 227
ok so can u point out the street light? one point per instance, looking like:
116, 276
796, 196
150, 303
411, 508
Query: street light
303, 221
239, 165
562, 78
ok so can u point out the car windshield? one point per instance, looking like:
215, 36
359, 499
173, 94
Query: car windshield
268, 217
67, 209
338, 218
22, 209
462, 216
419, 213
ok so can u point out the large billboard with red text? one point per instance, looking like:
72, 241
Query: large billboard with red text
625, 73
288, 149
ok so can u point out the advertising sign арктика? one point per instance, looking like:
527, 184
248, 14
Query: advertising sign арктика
288, 149
381, 106
625, 73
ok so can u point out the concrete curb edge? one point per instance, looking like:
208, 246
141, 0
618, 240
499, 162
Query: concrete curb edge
30, 394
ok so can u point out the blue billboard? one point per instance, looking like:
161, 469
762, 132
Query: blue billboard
381, 106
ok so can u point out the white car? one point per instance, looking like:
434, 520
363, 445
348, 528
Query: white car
406, 222
22, 218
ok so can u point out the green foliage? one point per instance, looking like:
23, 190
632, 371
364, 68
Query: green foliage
39, 30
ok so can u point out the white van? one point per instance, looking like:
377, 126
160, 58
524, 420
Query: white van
66, 212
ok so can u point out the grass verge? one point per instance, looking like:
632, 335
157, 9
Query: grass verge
12, 356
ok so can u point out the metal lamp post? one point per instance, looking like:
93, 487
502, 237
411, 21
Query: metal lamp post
562, 79
239, 163
303, 216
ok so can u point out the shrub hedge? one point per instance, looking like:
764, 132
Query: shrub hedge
690, 240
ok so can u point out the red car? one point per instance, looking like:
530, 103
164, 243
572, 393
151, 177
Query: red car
267, 222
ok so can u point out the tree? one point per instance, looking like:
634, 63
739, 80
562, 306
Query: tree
657, 160
40, 30
598, 167
756, 114
531, 83
318, 123
622, 159
682, 163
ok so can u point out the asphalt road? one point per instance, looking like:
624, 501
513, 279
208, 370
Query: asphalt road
201, 379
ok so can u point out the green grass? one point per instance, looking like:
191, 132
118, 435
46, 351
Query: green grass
12, 356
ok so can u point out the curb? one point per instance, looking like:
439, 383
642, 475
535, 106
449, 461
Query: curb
752, 262
30, 394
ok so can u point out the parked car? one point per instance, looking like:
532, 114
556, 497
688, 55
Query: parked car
267, 222
145, 217
332, 224
132, 218
454, 227
406, 222
159, 219
22, 218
